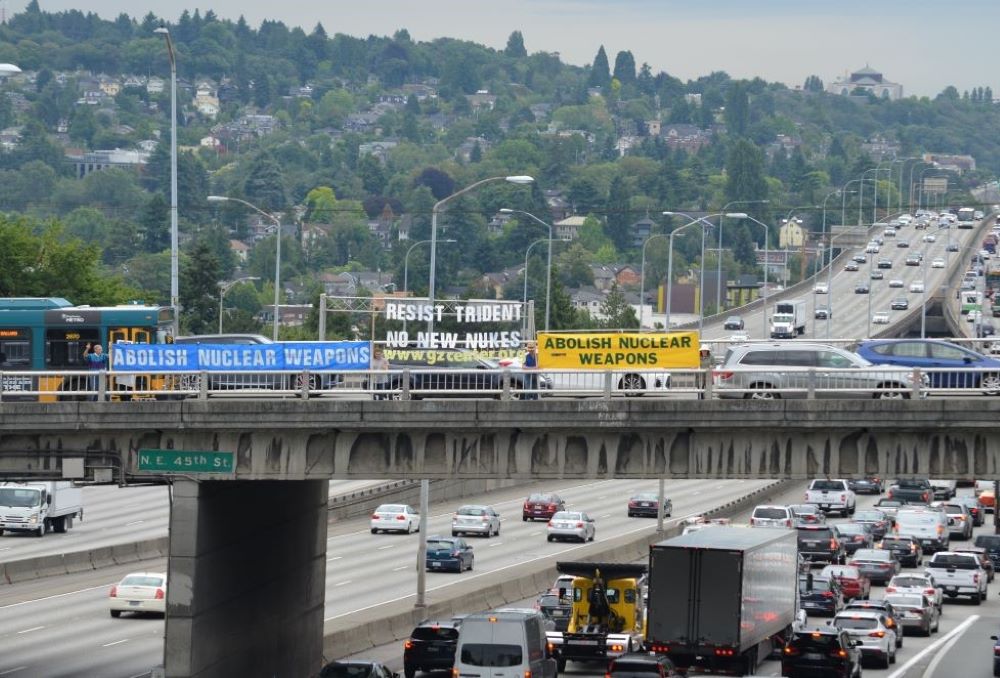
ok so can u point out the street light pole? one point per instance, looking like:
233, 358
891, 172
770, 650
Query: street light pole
718, 271
225, 287
174, 251
526, 253
406, 268
431, 298
642, 276
277, 253
548, 266
743, 215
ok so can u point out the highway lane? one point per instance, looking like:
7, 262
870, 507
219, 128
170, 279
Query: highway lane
118, 515
969, 656
364, 570
850, 319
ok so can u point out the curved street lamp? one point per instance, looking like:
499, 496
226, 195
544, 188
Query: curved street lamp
225, 287
548, 269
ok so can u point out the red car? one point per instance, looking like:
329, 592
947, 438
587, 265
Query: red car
854, 584
542, 506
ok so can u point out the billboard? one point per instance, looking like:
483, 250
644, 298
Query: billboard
288, 355
618, 350
935, 184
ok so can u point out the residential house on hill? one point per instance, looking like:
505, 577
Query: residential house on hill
568, 228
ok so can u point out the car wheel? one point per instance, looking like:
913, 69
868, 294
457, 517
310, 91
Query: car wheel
990, 383
524, 518
886, 661
374, 531
977, 599
892, 657
632, 384
454, 533
890, 395
116, 613
471, 563
561, 665
409, 673
762, 395
550, 538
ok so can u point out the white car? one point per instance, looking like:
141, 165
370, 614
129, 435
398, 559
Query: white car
890, 231
895, 282
139, 592
877, 638
930, 237
917, 286
821, 288
739, 336
395, 518
475, 519
917, 583
880, 318
984, 254
937, 262
571, 525
768, 515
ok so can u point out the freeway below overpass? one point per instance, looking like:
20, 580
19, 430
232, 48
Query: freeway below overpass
851, 311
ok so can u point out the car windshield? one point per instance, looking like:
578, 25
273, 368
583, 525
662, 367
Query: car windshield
989, 541
916, 518
822, 533
848, 528
909, 602
804, 508
867, 515
905, 582
472, 511
566, 515
896, 541
439, 545
390, 508
889, 503
346, 671
19, 498
142, 580
855, 623
822, 643
911, 484
646, 496
541, 498
841, 571
827, 485
779, 513
969, 562
428, 633
491, 654
872, 554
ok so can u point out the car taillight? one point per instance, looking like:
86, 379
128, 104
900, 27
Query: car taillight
454, 672
527, 674
408, 645
114, 592
940, 529
790, 651
552, 507
843, 497
996, 650
579, 524
926, 496
975, 579
833, 543
889, 495
858, 537
374, 516
724, 652
877, 634
633, 504
160, 594
723, 376
400, 517
930, 592
456, 554
660, 649
827, 594
788, 523
842, 654
550, 523
890, 589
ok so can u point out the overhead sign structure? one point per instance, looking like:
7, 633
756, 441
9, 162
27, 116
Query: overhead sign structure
185, 462
619, 350
286, 355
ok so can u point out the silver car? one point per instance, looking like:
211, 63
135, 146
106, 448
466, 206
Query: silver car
571, 525
915, 611
475, 519
798, 369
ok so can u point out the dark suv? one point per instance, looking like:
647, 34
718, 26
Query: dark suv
641, 665
431, 647
820, 542
821, 652
990, 542
542, 506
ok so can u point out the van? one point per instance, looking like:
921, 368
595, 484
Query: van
503, 644
928, 526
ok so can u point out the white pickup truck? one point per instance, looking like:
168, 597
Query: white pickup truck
831, 495
958, 574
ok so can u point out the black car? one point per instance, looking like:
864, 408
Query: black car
733, 322
820, 595
558, 609
647, 504
854, 536
996, 655
639, 664
821, 652
907, 549
861, 289
431, 647
356, 668
990, 542
878, 521
899, 304
820, 542
867, 485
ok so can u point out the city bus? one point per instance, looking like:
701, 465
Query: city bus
51, 334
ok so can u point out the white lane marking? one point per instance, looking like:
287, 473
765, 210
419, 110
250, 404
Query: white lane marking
929, 671
901, 671
343, 583
134, 522
399, 569
117, 642
13, 670
5, 548
383, 548
58, 595
330, 560
496, 543
606, 515
33, 628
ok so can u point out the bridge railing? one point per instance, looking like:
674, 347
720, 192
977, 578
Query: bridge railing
878, 381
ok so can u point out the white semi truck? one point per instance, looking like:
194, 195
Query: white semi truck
39, 506
788, 319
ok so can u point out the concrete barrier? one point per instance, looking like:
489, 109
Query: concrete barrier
102, 557
521, 582
78, 561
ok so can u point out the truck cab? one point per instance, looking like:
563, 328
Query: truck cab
39, 507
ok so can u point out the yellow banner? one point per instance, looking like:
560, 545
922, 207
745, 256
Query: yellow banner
619, 350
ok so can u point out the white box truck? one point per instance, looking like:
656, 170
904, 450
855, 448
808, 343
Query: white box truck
39, 506
788, 319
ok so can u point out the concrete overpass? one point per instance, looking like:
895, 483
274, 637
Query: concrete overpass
247, 552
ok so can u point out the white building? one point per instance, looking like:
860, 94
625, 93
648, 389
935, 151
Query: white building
867, 80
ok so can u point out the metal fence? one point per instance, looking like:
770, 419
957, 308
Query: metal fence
506, 384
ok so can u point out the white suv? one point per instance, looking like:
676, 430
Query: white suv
831, 495
772, 516
872, 629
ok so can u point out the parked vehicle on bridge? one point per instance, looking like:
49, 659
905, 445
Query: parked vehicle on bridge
40, 506
736, 603
139, 592
782, 370
948, 365
395, 518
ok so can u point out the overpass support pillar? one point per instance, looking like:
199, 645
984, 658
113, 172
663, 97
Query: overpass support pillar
246, 578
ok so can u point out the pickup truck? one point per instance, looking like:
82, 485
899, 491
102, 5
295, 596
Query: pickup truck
958, 574
912, 491
831, 495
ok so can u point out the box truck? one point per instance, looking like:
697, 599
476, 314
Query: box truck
788, 319
39, 506
723, 600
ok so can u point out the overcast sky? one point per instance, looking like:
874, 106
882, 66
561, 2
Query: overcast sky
925, 45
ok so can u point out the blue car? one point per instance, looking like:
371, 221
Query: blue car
449, 553
936, 354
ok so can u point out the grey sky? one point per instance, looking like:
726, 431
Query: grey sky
922, 44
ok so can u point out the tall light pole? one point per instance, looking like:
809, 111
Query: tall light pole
432, 289
744, 215
277, 252
225, 287
548, 269
406, 262
642, 275
718, 268
526, 253
920, 189
174, 252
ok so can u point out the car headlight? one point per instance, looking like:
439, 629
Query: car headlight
33, 518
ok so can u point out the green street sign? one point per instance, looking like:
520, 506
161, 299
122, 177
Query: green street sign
185, 461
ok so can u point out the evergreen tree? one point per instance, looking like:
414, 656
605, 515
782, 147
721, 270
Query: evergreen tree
617, 312
515, 46
618, 217
600, 72
813, 84
199, 290
737, 112
745, 173
154, 224
264, 185
625, 68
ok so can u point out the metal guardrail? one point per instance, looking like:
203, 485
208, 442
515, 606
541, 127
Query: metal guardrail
512, 384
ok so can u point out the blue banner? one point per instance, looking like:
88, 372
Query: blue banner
285, 355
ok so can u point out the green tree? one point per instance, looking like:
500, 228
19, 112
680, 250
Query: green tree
617, 313
515, 46
600, 71
154, 224
737, 113
265, 185
745, 174
618, 215
813, 84
199, 294
625, 68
